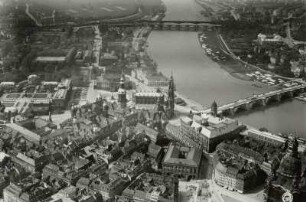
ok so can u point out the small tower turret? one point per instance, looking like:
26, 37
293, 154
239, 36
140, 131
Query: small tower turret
214, 109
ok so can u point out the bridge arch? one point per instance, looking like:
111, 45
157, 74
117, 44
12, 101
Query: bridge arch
241, 108
257, 104
273, 98
298, 91
286, 95
227, 112
188, 26
170, 26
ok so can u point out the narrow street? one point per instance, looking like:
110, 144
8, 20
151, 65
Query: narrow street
31, 16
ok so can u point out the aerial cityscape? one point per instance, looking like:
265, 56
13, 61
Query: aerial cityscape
152, 100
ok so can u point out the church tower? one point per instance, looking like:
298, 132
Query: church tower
122, 94
171, 98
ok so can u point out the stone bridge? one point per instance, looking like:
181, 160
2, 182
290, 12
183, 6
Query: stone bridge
259, 100
161, 25
182, 25
177, 25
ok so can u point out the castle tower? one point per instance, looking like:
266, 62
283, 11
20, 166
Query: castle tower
122, 94
214, 109
171, 96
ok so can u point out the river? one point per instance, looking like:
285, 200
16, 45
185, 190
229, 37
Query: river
201, 79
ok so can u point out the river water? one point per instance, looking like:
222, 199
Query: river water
201, 79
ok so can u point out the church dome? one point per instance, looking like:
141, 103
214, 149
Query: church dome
291, 164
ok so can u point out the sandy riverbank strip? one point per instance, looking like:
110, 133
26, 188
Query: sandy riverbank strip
193, 105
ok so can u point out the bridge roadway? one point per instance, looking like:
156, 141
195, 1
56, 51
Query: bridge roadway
175, 25
259, 100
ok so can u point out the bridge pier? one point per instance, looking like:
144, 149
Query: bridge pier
263, 102
260, 102
290, 94
277, 97
248, 106
160, 26
298, 92
232, 111
196, 28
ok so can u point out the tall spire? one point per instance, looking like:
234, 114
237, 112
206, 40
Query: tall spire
122, 93
171, 82
171, 96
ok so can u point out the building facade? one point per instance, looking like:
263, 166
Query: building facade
266, 137
147, 98
207, 131
182, 162
150, 100
235, 179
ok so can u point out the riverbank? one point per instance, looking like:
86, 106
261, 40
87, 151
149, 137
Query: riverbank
193, 105
216, 48
217, 51
302, 98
